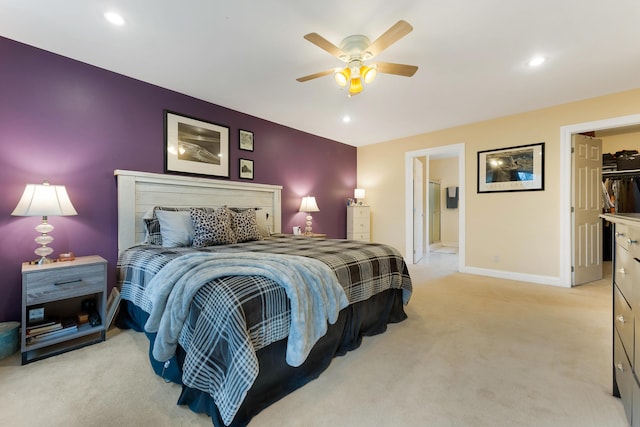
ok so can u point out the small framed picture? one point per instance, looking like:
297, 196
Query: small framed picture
246, 140
246, 169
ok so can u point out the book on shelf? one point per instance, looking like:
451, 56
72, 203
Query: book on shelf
54, 334
42, 328
64, 327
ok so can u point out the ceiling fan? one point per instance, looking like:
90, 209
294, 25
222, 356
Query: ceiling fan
354, 51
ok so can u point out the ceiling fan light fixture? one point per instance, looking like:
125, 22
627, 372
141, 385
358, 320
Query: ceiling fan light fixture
356, 86
368, 74
342, 77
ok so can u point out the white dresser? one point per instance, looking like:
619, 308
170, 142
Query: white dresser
626, 304
359, 223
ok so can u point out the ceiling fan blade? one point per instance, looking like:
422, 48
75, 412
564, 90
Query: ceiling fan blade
399, 69
326, 45
316, 75
392, 35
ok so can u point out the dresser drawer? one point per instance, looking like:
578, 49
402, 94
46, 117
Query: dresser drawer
635, 417
43, 286
359, 236
360, 225
624, 376
360, 212
621, 235
623, 272
623, 321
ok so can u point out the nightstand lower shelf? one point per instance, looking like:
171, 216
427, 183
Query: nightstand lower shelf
86, 335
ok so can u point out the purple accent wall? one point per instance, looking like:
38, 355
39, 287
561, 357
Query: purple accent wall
73, 124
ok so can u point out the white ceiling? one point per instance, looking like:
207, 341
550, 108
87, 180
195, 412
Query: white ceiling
246, 55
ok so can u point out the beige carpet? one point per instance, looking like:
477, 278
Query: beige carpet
475, 351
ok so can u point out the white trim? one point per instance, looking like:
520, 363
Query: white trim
565, 258
510, 275
454, 150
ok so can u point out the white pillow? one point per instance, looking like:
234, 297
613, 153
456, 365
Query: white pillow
263, 222
176, 228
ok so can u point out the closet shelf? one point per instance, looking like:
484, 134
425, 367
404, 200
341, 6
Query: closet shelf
621, 173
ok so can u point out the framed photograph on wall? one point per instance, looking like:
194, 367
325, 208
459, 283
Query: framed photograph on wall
246, 140
518, 168
246, 169
195, 146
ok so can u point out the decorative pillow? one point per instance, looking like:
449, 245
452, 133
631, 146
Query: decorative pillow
262, 217
245, 225
176, 228
153, 231
212, 228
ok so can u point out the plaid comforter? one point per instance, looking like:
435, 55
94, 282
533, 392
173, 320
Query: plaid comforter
227, 368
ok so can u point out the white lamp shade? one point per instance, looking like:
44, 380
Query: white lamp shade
358, 193
44, 200
309, 204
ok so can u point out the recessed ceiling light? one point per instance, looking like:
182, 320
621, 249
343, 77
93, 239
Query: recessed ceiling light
346, 119
114, 18
536, 61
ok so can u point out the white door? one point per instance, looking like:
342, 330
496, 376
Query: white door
586, 177
418, 210
434, 212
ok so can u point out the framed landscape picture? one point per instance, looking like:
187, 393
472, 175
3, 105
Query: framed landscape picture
518, 168
195, 146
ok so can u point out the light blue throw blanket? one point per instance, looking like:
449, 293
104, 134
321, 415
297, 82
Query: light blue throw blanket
314, 292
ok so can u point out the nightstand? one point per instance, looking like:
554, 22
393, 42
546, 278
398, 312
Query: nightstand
316, 235
55, 293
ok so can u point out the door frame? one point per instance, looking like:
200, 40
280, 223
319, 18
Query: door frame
566, 254
454, 150
422, 231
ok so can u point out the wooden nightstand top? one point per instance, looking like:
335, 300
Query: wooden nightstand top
319, 235
78, 261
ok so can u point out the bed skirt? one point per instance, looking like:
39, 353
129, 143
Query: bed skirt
276, 379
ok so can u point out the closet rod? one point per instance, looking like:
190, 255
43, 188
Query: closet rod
621, 174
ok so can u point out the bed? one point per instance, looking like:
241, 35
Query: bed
242, 324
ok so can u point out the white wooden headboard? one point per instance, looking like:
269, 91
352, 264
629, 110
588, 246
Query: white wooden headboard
140, 191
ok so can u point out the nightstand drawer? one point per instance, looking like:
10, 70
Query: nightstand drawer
42, 286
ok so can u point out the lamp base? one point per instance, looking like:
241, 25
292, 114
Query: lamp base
44, 228
307, 228
42, 260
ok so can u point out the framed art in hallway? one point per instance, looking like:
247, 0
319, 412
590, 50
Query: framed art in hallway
246, 169
519, 168
246, 140
195, 146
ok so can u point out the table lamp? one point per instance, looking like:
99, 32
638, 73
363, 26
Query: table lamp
358, 194
44, 200
308, 205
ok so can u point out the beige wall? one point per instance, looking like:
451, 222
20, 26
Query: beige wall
514, 232
614, 143
445, 171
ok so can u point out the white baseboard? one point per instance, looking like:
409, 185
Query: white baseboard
521, 277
